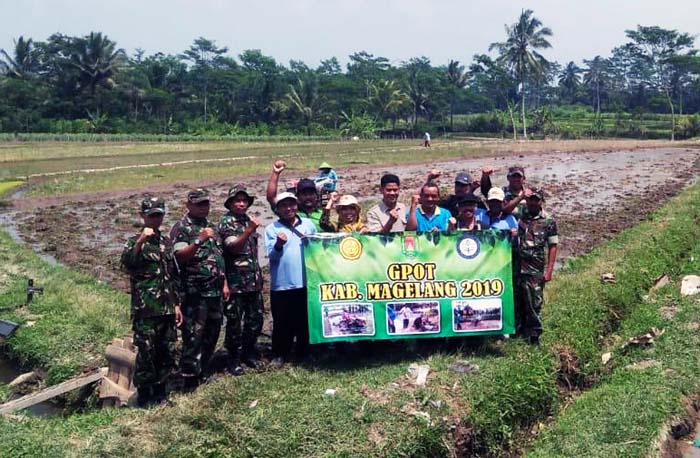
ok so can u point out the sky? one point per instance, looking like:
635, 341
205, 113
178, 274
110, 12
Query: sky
313, 30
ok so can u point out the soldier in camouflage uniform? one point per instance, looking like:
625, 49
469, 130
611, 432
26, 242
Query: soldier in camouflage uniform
199, 253
537, 233
155, 304
237, 230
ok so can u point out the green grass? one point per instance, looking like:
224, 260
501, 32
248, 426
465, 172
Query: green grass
6, 186
66, 328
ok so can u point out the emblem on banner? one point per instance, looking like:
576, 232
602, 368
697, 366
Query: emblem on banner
468, 247
350, 248
409, 245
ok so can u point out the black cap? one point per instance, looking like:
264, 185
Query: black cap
463, 178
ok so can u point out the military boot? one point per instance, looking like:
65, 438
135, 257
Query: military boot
233, 365
144, 396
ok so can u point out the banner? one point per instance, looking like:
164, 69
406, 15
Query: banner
408, 285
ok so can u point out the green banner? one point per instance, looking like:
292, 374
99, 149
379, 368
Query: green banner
408, 285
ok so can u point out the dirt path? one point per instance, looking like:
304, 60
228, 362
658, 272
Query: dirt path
594, 195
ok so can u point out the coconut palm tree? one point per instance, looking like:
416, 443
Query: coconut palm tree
24, 61
98, 60
595, 76
303, 97
386, 100
569, 80
458, 79
519, 51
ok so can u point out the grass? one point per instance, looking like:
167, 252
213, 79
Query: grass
6, 186
62, 168
66, 328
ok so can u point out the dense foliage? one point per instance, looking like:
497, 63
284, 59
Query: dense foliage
87, 84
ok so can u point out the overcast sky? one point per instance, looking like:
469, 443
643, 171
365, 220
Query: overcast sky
312, 30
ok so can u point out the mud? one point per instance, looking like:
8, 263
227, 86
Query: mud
594, 195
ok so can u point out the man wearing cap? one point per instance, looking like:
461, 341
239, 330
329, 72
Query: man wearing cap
202, 269
537, 233
514, 193
469, 217
155, 303
309, 202
463, 185
425, 215
389, 215
284, 242
237, 230
496, 218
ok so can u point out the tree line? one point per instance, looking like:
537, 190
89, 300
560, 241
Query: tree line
81, 84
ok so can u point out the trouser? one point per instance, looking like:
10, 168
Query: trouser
200, 332
155, 339
530, 297
244, 321
289, 320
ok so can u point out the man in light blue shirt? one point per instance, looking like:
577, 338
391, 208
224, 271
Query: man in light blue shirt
495, 218
427, 216
284, 241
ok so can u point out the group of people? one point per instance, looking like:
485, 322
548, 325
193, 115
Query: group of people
203, 272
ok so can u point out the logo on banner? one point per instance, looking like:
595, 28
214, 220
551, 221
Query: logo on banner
350, 248
468, 247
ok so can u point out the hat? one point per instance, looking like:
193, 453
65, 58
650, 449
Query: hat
198, 195
496, 194
467, 199
153, 205
305, 184
463, 178
237, 189
348, 200
324, 165
284, 196
516, 170
538, 193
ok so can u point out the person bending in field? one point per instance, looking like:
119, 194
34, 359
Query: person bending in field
155, 303
348, 209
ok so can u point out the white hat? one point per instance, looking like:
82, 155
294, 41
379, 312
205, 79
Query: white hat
496, 194
285, 195
347, 200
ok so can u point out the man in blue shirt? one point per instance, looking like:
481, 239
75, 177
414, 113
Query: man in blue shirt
495, 218
427, 216
285, 248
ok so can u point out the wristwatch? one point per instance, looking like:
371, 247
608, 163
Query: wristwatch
197, 242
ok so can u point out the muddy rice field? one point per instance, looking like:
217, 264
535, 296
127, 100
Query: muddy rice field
593, 195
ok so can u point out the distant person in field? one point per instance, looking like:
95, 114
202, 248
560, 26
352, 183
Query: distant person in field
244, 310
426, 140
348, 209
309, 203
155, 303
425, 215
327, 179
514, 193
538, 240
389, 215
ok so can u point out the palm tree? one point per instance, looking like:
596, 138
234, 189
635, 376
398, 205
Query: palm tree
23, 63
595, 75
97, 60
519, 51
569, 80
304, 98
458, 79
386, 100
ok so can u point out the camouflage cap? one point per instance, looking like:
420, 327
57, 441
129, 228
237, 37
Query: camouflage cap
516, 170
537, 194
152, 205
238, 189
198, 195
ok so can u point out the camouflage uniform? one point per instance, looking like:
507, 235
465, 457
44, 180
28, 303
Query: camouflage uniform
153, 298
202, 280
244, 280
535, 234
